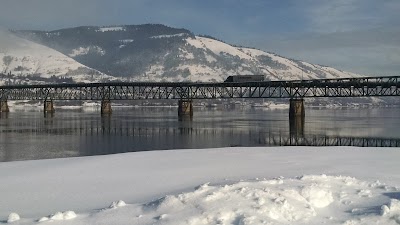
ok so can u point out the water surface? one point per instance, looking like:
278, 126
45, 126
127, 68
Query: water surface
26, 135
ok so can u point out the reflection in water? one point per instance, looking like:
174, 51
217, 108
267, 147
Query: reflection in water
4, 115
106, 123
296, 127
48, 114
28, 135
185, 117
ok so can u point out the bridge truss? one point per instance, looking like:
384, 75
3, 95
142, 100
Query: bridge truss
347, 87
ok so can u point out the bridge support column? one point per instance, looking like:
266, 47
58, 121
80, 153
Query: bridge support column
4, 106
296, 117
296, 109
106, 106
48, 106
185, 108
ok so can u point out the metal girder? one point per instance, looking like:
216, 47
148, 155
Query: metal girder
346, 87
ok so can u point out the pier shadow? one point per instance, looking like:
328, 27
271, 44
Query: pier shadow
48, 114
185, 118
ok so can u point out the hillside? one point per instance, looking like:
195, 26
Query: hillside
160, 53
29, 62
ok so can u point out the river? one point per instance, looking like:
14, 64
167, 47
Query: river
28, 135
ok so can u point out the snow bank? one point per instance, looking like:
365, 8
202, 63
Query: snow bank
303, 200
316, 199
13, 217
242, 188
63, 215
117, 204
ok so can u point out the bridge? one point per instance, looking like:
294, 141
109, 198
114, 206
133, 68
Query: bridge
186, 92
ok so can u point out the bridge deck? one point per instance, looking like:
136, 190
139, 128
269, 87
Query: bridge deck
341, 87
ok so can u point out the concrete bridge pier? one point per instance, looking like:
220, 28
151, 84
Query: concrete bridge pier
48, 107
106, 106
296, 117
296, 108
185, 109
4, 106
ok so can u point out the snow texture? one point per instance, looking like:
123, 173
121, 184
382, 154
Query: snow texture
23, 57
79, 51
169, 35
249, 61
107, 29
117, 204
83, 51
243, 189
127, 41
13, 217
315, 199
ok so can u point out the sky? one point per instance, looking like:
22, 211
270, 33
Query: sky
361, 36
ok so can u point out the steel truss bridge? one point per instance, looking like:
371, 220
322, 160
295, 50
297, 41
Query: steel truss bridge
344, 87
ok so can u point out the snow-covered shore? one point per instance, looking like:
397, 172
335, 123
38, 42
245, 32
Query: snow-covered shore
247, 186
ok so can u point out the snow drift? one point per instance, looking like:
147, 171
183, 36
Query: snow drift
162, 187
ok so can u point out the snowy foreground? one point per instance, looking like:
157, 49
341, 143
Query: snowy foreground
279, 185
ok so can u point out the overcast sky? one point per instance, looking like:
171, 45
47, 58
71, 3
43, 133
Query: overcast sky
361, 36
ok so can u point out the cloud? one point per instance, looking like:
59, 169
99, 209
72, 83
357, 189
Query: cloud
358, 35
55, 14
361, 36
383, 36
346, 15
374, 61
372, 51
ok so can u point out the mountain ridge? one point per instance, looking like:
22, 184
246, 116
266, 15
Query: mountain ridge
150, 53
155, 52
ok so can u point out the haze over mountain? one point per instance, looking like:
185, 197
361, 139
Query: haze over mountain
154, 52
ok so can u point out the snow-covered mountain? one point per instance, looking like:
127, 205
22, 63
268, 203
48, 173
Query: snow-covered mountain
154, 52
23, 61
221, 59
